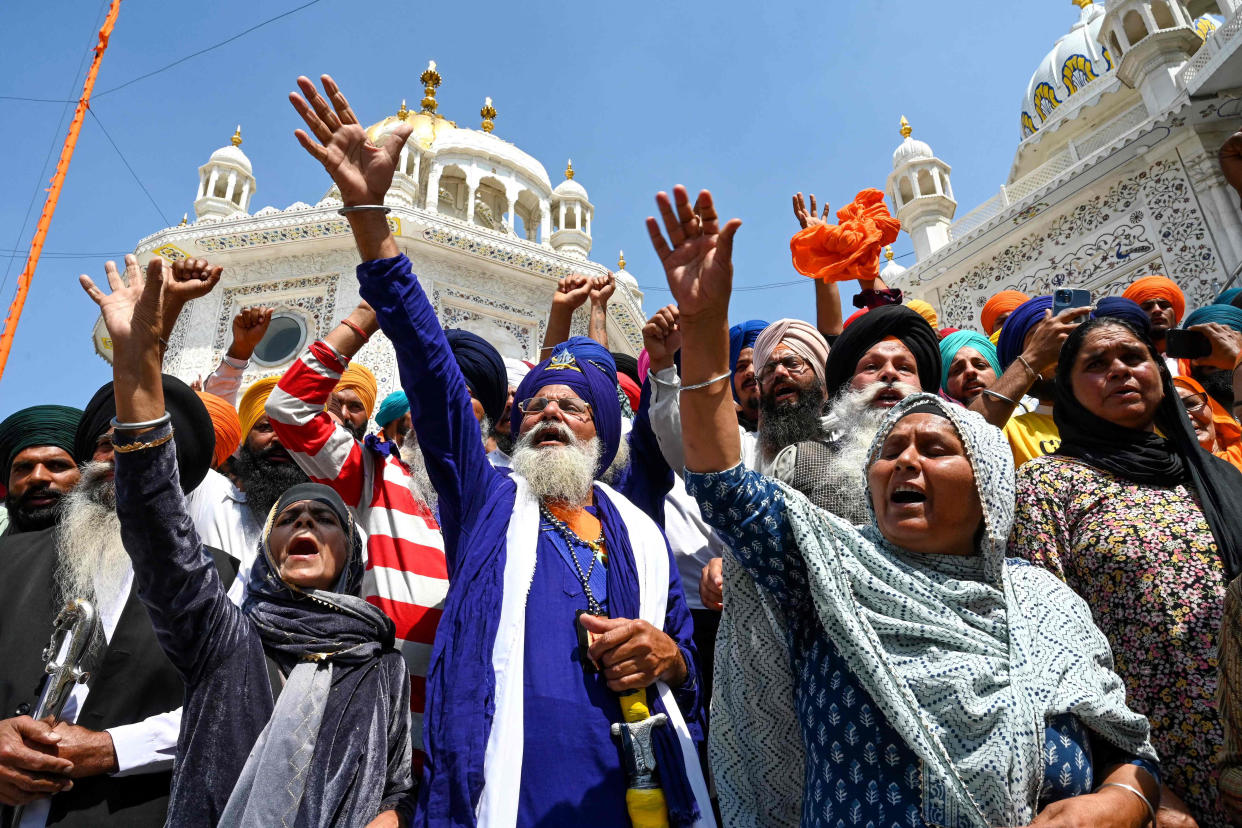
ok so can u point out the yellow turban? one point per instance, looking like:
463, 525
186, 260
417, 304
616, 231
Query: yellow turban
250, 409
995, 337
924, 310
361, 381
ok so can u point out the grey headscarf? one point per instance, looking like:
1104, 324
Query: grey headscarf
967, 657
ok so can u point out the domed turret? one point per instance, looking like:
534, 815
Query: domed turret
1151, 40
225, 183
919, 188
1075, 60
892, 271
571, 216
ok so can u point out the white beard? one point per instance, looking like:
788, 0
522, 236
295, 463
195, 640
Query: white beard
854, 423
419, 482
619, 462
563, 473
91, 559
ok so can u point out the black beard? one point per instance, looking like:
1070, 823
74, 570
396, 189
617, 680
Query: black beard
264, 481
358, 433
504, 440
32, 518
1218, 384
785, 425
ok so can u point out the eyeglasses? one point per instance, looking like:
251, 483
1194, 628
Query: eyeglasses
794, 365
1194, 403
569, 406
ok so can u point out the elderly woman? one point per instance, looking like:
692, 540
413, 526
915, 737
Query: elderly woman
968, 364
935, 683
1215, 430
1142, 522
297, 707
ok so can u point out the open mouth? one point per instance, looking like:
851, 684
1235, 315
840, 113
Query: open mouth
907, 494
785, 392
550, 437
302, 547
888, 398
1126, 393
278, 455
973, 387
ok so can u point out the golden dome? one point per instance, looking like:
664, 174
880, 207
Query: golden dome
427, 128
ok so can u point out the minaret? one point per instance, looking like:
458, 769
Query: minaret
919, 188
226, 182
1149, 42
571, 217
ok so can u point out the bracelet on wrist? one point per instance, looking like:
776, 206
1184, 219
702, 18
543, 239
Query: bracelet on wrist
364, 208
1151, 812
366, 337
1028, 367
158, 421
998, 395
126, 448
706, 383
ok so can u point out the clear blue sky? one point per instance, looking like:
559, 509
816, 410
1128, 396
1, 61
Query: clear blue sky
753, 101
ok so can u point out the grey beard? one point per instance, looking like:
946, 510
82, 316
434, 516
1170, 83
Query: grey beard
420, 482
560, 473
619, 463
485, 429
854, 424
91, 561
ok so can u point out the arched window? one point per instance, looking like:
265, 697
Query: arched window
905, 191
1162, 14
927, 184
285, 338
1134, 27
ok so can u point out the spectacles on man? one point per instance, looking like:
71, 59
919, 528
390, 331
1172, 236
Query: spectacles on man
569, 406
1193, 403
793, 364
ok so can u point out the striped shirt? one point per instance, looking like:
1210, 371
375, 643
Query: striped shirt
406, 576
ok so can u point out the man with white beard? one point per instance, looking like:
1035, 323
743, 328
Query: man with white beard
108, 762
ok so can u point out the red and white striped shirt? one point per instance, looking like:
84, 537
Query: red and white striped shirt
406, 576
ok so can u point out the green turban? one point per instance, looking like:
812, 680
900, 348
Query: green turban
39, 425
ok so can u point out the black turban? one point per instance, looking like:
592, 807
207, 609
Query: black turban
484, 370
193, 431
628, 365
39, 425
878, 324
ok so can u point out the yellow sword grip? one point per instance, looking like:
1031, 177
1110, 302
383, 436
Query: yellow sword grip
634, 705
647, 808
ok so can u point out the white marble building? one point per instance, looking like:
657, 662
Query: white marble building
479, 218
1115, 174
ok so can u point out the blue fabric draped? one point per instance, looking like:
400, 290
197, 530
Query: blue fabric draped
1221, 314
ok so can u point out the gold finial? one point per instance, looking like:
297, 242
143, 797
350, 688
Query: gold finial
888, 252
489, 115
185, 219
431, 80
905, 127
237, 137
569, 170
403, 111
621, 260
1082, 4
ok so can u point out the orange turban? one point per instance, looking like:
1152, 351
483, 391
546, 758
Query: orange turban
850, 249
227, 426
924, 310
251, 408
1228, 432
1158, 287
1004, 302
360, 380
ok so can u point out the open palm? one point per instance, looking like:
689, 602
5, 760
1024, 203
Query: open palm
131, 312
698, 254
361, 170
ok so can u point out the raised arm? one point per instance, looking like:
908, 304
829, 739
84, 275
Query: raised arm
662, 339
602, 288
175, 576
828, 318
571, 292
249, 327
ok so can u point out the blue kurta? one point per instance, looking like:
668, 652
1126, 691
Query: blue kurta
858, 770
571, 771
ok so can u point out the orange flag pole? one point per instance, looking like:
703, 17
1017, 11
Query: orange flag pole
53, 193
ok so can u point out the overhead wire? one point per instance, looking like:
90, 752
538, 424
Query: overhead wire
124, 161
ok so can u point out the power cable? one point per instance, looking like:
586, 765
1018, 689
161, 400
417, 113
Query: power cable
121, 155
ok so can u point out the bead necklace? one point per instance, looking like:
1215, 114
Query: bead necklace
572, 539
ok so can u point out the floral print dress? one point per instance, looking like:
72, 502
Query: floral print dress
1146, 563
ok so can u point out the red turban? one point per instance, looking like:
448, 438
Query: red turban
854, 316
1158, 287
631, 390
1004, 302
227, 426
850, 249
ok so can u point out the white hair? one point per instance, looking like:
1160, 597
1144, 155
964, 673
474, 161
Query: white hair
854, 422
91, 559
419, 482
562, 473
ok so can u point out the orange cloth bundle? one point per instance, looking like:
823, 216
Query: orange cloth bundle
227, 426
1158, 287
1004, 302
850, 249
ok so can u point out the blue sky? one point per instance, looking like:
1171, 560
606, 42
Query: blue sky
754, 101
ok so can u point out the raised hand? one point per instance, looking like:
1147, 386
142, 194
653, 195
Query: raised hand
698, 254
573, 291
133, 312
189, 279
602, 288
1226, 345
662, 337
361, 170
806, 218
249, 327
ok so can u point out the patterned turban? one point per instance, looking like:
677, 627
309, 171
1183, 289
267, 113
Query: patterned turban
1007, 301
580, 364
227, 426
924, 310
878, 324
1158, 287
800, 337
251, 408
39, 425
359, 379
395, 405
483, 370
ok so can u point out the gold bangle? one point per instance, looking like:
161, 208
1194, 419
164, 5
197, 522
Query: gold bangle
128, 447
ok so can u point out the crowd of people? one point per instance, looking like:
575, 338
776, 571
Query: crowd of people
861, 571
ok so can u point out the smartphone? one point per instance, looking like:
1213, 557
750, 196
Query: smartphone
1181, 344
1066, 298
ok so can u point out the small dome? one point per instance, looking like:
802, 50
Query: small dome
569, 187
427, 128
1074, 61
910, 149
232, 154
891, 271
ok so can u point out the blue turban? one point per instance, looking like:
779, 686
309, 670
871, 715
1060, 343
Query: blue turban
1018, 325
483, 370
741, 337
1226, 297
1222, 314
586, 367
1119, 307
956, 341
395, 405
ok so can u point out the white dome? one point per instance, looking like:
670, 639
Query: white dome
571, 188
891, 271
233, 156
911, 149
1075, 60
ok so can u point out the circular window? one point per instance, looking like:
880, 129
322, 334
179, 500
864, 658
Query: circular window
283, 341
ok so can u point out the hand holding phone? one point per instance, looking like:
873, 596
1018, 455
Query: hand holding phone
1065, 298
